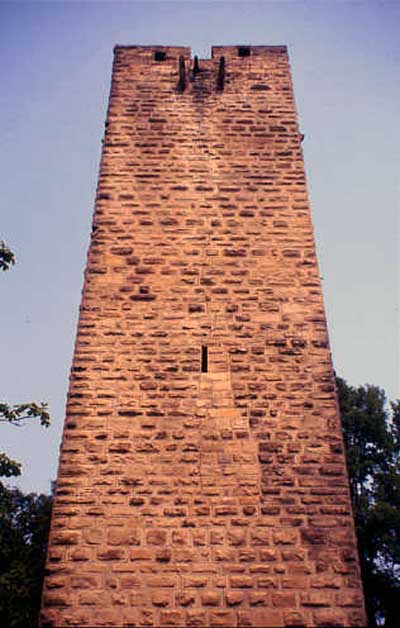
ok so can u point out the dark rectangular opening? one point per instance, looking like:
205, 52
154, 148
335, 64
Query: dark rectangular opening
244, 51
204, 359
160, 55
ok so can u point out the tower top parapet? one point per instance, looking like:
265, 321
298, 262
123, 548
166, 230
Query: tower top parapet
172, 53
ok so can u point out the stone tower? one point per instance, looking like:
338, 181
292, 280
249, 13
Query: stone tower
202, 479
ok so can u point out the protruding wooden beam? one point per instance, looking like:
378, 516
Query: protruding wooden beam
196, 67
221, 75
182, 75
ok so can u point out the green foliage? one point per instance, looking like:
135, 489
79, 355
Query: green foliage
17, 415
372, 437
8, 466
24, 521
7, 257
24, 527
20, 412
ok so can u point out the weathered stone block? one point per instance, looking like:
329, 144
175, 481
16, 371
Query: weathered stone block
196, 618
221, 619
156, 537
161, 598
210, 598
241, 582
234, 598
261, 618
172, 618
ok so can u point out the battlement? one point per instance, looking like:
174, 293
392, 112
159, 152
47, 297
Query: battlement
171, 54
150, 53
231, 51
244, 51
228, 67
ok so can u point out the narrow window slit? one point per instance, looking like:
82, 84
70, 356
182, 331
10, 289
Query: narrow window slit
244, 51
160, 55
204, 359
196, 66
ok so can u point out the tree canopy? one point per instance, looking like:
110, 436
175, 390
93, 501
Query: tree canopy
24, 520
371, 430
24, 528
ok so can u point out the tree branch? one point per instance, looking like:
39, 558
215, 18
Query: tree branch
23, 411
7, 257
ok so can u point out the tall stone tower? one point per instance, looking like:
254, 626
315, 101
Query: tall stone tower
202, 479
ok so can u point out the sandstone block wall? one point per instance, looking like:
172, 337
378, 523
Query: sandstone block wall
202, 479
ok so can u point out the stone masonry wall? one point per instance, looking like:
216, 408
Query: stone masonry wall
193, 493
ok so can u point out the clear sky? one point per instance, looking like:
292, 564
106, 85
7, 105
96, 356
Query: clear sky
56, 67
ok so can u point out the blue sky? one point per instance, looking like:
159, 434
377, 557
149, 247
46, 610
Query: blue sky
56, 63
